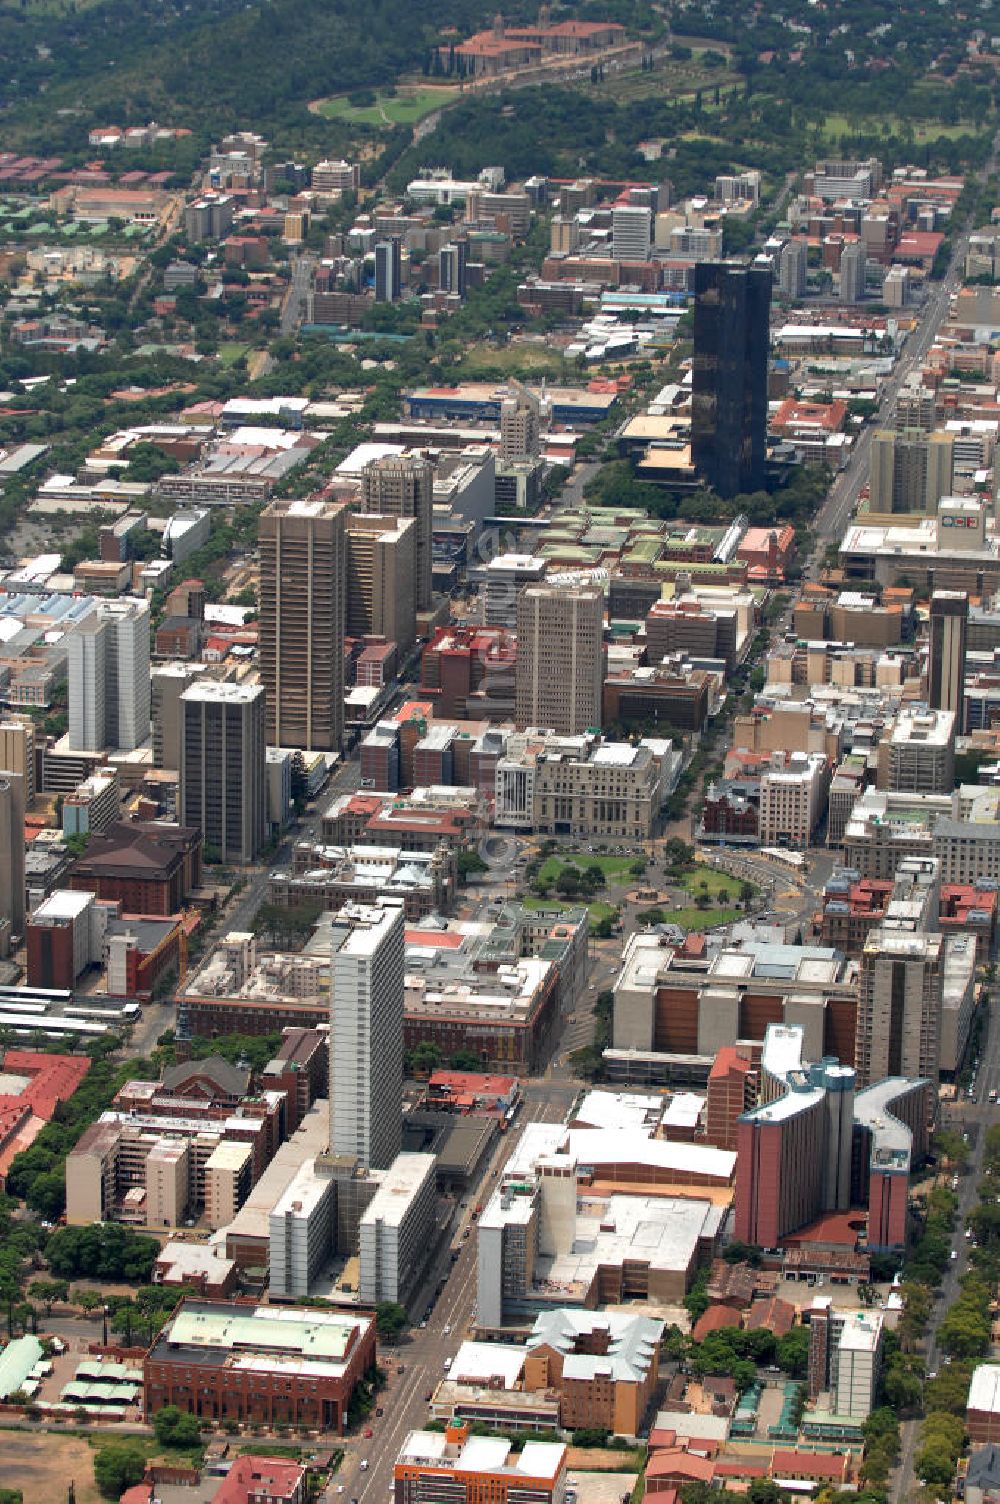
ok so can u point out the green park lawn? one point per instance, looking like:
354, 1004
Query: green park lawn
708, 879
405, 107
835, 126
611, 866
701, 919
230, 352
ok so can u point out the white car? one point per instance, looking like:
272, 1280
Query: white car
364, 1464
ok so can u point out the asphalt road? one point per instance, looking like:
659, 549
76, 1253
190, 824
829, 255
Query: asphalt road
448, 1322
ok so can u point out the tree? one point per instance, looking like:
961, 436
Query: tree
792, 1352
423, 1058
391, 1320
48, 1291
175, 1428
470, 863
118, 1466
299, 782
764, 1491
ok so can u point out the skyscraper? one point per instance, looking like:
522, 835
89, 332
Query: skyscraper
560, 656
302, 560
388, 270
223, 784
853, 269
451, 267
366, 1033
910, 470
12, 851
109, 678
520, 437
379, 580
792, 269
631, 232
403, 486
946, 658
729, 397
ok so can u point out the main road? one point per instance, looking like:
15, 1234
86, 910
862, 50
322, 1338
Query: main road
445, 1325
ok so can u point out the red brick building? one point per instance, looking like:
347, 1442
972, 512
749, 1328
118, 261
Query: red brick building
146, 867
259, 1365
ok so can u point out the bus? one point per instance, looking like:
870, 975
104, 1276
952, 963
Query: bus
45, 995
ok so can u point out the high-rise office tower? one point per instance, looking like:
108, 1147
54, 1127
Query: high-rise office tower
17, 754
946, 658
12, 851
403, 486
910, 470
379, 578
792, 269
223, 782
168, 682
560, 656
368, 952
451, 267
853, 268
302, 558
520, 426
729, 386
631, 232
388, 270
109, 678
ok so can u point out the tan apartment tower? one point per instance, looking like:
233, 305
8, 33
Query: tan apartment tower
379, 579
302, 561
403, 486
560, 656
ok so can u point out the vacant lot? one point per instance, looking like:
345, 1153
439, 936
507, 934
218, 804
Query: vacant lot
405, 107
41, 1466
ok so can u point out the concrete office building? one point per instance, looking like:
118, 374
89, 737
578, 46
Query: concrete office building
560, 656
451, 267
366, 1033
853, 270
395, 1235
108, 673
388, 270
520, 425
504, 578
302, 566
223, 782
792, 798
11, 857
910, 471
845, 1357
946, 656
403, 486
168, 682
917, 752
631, 233
465, 1469
301, 1232
379, 578
792, 265
729, 385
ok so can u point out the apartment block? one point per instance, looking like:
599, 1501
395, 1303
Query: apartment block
379, 598
560, 656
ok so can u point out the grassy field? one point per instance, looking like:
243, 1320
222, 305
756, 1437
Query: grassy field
611, 866
230, 352
516, 357
405, 107
836, 126
699, 919
709, 880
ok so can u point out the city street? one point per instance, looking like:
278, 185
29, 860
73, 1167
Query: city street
448, 1320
